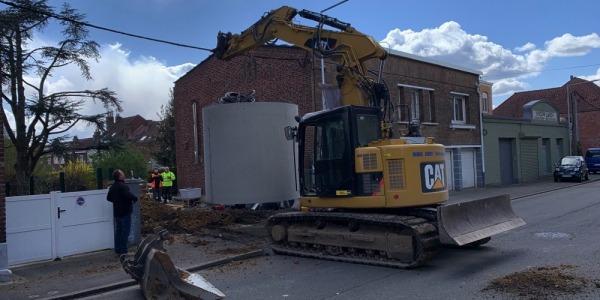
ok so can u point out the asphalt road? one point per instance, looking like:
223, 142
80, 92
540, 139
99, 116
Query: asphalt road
562, 228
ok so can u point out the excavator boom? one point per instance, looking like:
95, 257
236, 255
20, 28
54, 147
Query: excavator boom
347, 47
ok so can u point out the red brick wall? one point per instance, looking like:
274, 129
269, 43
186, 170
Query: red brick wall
279, 74
588, 130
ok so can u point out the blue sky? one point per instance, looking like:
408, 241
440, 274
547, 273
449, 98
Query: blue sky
477, 34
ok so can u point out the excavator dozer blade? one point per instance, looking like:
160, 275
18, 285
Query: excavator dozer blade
159, 278
471, 221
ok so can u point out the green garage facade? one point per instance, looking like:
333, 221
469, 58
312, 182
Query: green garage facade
523, 150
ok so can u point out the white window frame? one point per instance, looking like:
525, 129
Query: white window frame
415, 113
195, 120
484, 102
463, 98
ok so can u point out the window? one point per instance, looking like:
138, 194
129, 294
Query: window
195, 120
415, 103
367, 129
330, 140
484, 102
458, 109
431, 106
415, 114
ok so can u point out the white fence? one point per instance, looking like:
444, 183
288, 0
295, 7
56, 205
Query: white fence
42, 227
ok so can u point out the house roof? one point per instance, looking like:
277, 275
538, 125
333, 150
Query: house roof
433, 61
585, 91
389, 51
133, 128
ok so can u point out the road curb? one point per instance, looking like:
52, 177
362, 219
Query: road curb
554, 189
130, 282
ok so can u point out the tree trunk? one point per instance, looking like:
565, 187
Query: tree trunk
22, 175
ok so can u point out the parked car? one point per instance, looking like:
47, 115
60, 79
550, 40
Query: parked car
571, 167
592, 159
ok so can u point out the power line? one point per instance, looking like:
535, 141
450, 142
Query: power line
335, 5
59, 17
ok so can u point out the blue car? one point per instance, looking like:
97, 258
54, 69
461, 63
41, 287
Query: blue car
571, 167
592, 160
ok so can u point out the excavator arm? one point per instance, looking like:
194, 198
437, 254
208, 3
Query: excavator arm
348, 48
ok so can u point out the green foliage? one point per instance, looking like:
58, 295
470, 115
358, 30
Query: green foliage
43, 175
127, 159
166, 135
79, 176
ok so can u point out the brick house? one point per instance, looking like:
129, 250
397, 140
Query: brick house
134, 130
585, 109
443, 97
485, 96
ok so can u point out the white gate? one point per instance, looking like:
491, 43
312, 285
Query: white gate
84, 222
42, 227
29, 228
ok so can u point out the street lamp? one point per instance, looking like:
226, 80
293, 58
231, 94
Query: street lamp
569, 119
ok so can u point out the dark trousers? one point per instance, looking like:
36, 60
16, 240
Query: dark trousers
122, 228
156, 193
167, 192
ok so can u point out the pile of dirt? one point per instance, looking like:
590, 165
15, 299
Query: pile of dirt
540, 282
192, 220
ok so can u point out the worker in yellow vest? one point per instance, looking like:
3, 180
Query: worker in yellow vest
167, 184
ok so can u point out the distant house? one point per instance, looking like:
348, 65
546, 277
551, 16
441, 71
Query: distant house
79, 150
584, 109
485, 96
134, 131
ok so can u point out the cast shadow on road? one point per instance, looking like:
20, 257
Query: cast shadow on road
467, 262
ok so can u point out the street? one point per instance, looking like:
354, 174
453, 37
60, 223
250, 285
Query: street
561, 228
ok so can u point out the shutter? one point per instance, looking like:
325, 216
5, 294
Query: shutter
529, 159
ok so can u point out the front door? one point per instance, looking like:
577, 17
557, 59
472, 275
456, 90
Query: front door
506, 161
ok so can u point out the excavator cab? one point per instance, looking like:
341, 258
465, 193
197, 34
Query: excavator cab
327, 140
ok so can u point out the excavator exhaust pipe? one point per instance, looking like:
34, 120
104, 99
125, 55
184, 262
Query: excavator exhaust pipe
471, 221
159, 278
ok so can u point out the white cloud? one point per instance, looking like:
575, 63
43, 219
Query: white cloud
141, 83
507, 69
508, 86
592, 77
526, 47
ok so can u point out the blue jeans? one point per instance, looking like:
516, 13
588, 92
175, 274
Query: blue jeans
122, 228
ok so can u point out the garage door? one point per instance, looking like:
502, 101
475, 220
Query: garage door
468, 168
449, 170
529, 159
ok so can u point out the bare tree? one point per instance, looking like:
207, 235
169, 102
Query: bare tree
41, 117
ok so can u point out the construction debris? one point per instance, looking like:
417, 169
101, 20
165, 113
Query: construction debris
159, 278
540, 283
193, 220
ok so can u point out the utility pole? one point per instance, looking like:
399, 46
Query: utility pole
572, 110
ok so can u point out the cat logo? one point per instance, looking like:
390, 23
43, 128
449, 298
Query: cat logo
433, 177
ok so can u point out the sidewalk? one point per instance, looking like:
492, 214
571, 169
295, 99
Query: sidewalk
75, 273
515, 190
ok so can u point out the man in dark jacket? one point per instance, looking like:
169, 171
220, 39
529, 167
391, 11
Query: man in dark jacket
122, 200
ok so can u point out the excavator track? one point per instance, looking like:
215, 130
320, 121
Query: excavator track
401, 241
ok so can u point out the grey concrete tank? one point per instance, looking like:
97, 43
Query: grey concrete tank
247, 157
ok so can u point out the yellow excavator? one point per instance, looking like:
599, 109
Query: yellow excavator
365, 197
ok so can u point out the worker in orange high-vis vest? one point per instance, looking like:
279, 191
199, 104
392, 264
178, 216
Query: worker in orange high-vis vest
167, 184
